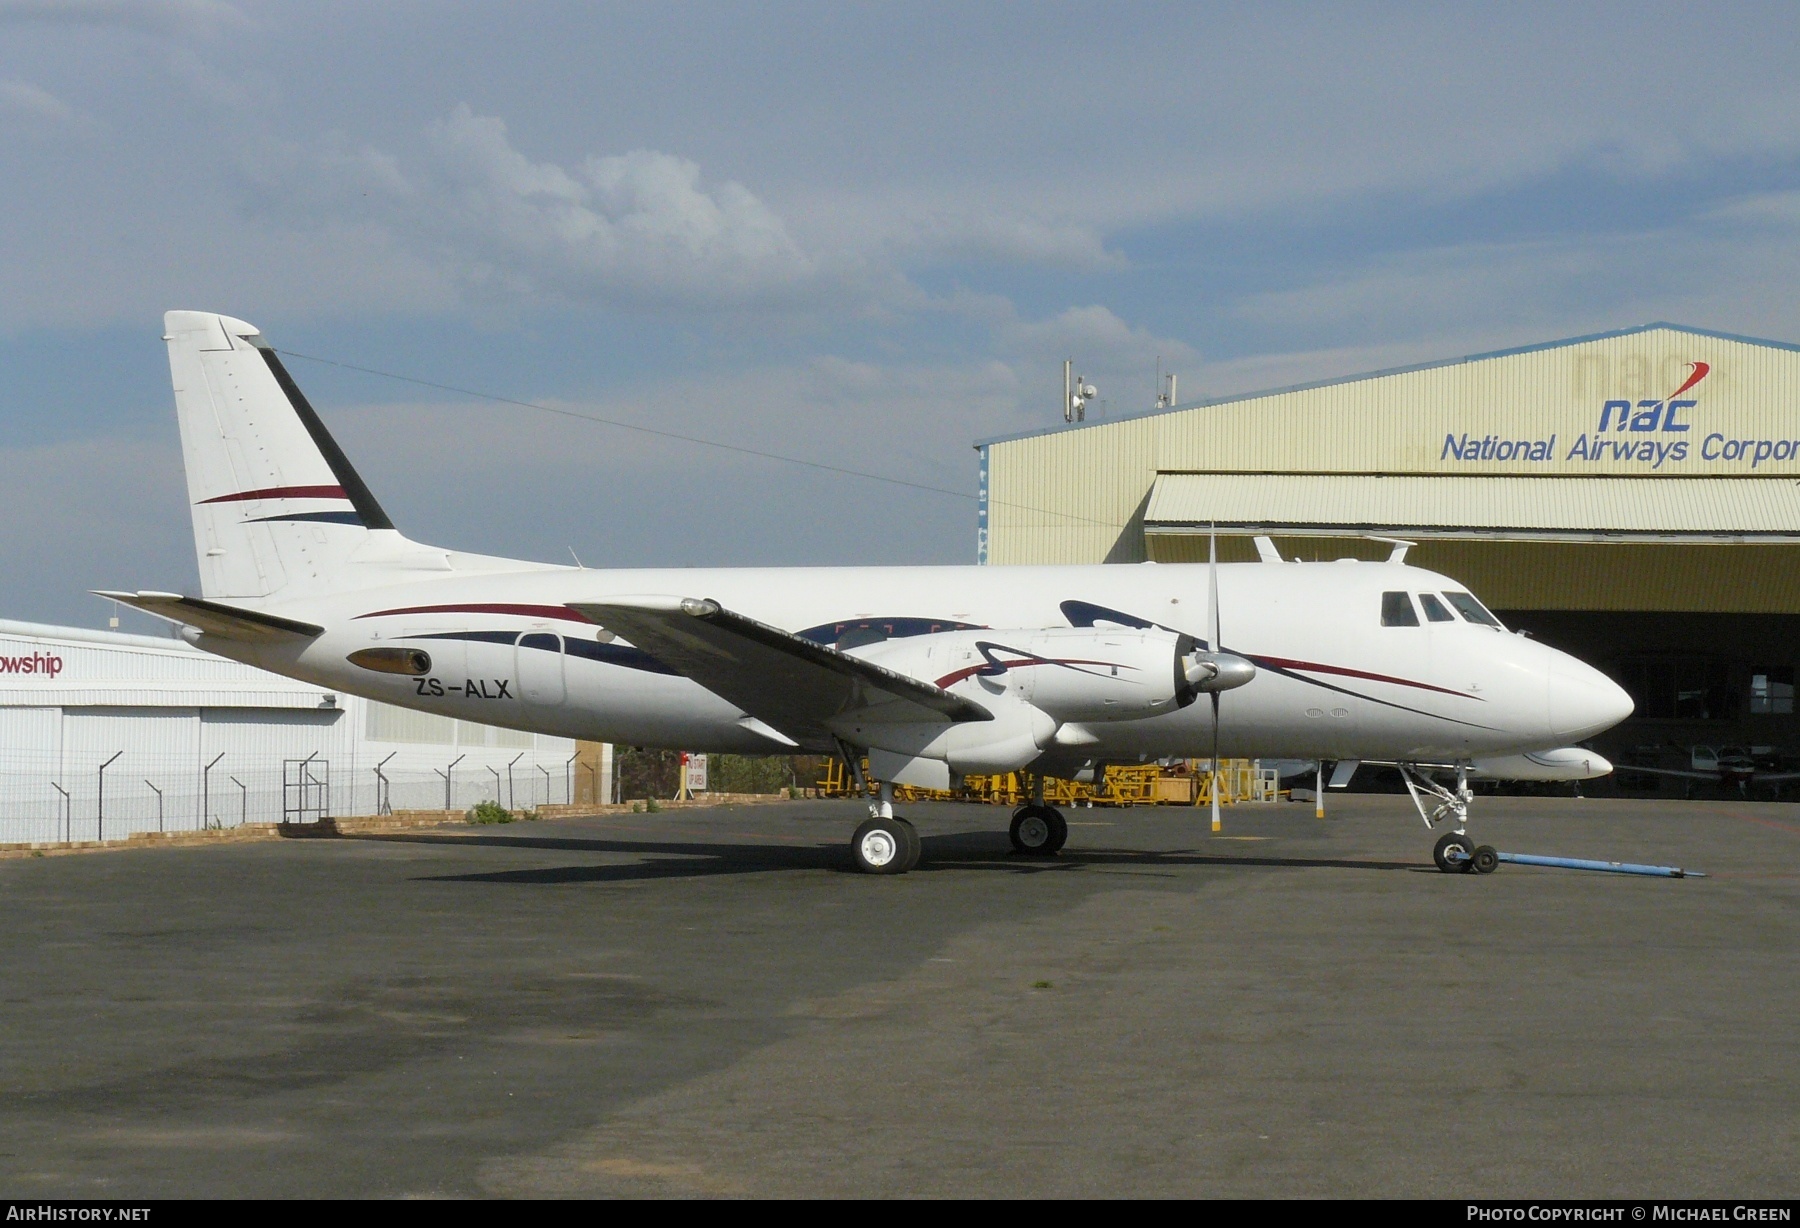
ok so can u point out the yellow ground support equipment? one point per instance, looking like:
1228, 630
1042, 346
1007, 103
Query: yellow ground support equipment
1183, 783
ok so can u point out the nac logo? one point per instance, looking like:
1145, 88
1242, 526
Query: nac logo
1646, 416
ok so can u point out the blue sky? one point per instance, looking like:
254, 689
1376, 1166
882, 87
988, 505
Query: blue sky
862, 235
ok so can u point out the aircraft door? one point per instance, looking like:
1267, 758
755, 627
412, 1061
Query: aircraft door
539, 668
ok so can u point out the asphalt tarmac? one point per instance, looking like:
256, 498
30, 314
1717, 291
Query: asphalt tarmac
710, 1003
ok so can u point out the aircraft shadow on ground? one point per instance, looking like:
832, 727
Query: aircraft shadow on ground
982, 851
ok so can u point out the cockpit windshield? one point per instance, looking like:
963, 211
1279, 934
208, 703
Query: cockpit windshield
1471, 609
1434, 609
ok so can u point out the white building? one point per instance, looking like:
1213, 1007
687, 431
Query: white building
103, 734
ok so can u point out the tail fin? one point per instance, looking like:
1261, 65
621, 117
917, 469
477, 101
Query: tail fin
277, 507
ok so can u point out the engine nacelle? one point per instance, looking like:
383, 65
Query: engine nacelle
1073, 674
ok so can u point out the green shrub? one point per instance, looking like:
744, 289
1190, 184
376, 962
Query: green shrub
490, 812
652, 805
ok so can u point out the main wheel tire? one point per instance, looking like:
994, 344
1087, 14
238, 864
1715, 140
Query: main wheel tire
1460, 862
913, 846
1485, 860
883, 846
1039, 831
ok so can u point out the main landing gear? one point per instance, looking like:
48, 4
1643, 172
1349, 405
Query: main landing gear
1456, 851
885, 843
1038, 830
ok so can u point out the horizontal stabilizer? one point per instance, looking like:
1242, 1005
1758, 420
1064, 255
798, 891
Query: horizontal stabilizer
226, 622
794, 685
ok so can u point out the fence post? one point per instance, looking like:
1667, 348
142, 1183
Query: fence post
68, 812
206, 792
569, 777
512, 796
100, 800
159, 812
495, 773
243, 800
446, 775
382, 804
546, 771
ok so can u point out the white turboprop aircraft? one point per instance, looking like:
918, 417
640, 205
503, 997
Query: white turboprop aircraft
931, 672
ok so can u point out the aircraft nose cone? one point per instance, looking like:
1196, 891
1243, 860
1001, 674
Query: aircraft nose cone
1584, 701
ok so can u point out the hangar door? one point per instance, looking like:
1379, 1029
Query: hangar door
143, 750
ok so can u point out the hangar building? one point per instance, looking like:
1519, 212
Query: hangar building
103, 734
1633, 497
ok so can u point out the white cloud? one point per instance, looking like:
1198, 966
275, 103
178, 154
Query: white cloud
23, 101
643, 226
1765, 208
153, 16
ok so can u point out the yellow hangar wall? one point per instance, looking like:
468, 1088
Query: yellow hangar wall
1657, 402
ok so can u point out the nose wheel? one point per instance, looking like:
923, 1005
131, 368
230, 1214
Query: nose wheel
1455, 852
1038, 830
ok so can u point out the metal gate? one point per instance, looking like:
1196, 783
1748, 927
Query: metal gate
305, 790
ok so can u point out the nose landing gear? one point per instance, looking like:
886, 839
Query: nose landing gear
1456, 851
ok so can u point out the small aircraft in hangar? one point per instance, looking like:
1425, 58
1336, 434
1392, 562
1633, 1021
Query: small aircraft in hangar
928, 672
1724, 766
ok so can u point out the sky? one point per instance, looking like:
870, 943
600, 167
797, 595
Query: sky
861, 236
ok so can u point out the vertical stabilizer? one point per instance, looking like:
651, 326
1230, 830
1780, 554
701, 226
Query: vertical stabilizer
277, 508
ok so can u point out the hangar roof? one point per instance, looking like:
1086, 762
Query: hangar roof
1586, 509
1515, 351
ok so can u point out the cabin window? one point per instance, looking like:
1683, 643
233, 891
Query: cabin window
1471, 609
1772, 691
1397, 610
1434, 609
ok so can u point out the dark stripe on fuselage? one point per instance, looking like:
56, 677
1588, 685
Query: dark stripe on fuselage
1086, 614
1345, 671
622, 655
559, 612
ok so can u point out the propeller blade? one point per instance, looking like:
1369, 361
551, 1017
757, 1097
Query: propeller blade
1216, 776
1212, 579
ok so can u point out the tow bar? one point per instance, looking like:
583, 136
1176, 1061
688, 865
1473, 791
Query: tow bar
1576, 863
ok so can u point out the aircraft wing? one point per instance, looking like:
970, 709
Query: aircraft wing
1684, 773
794, 685
225, 621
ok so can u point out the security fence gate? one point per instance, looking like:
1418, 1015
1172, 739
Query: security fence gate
305, 790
